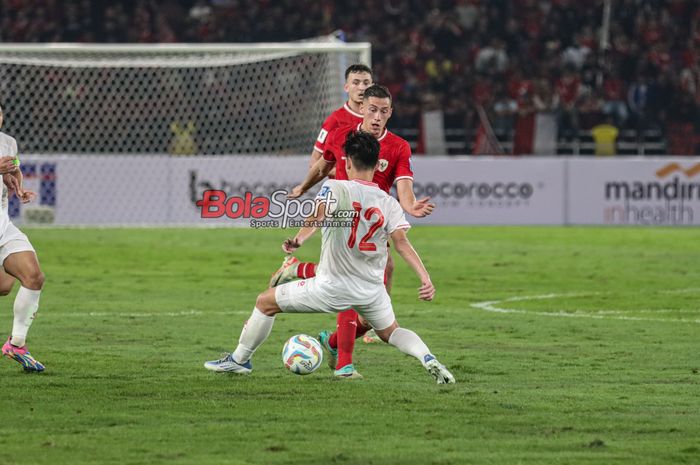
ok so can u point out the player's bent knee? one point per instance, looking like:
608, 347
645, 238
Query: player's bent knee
267, 303
385, 334
34, 280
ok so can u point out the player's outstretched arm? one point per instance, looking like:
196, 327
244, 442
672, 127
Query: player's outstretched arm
308, 230
403, 246
316, 173
415, 207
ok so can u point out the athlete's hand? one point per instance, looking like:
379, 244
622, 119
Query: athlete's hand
7, 165
26, 196
290, 245
296, 192
426, 291
422, 208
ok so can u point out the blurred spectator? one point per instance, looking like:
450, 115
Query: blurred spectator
605, 137
546, 104
568, 88
523, 141
503, 113
590, 109
575, 55
614, 96
638, 99
492, 59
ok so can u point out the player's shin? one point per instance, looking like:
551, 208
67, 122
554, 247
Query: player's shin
25, 308
409, 343
254, 333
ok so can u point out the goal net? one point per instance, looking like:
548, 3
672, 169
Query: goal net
178, 99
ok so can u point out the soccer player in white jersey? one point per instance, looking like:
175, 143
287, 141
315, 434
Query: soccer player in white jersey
350, 273
18, 260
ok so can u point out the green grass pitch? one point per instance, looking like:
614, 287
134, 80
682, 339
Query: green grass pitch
569, 345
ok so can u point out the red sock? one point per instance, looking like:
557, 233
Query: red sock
347, 326
306, 270
360, 331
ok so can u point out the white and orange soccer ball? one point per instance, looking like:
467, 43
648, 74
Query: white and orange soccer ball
302, 354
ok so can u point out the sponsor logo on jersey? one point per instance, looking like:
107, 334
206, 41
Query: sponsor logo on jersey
383, 164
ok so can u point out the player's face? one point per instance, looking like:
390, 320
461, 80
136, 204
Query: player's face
376, 112
356, 84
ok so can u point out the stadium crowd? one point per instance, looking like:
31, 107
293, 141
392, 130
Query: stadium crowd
515, 58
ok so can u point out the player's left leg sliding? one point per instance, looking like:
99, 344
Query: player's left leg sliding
286, 272
410, 343
254, 333
292, 269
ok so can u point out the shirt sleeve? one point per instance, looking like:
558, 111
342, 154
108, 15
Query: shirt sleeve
395, 218
13, 147
403, 166
326, 128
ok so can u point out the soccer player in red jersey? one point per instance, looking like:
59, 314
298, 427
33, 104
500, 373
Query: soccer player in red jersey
394, 167
357, 78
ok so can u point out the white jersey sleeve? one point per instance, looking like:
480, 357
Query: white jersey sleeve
8, 146
395, 216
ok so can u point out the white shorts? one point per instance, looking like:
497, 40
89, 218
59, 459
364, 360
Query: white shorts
13, 241
316, 295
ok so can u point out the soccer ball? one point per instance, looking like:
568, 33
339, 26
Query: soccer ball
302, 354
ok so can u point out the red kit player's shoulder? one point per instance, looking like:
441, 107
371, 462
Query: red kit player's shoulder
395, 141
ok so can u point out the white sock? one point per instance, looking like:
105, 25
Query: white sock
254, 333
25, 308
409, 343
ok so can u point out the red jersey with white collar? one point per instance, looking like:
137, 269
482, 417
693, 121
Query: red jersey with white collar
343, 116
394, 157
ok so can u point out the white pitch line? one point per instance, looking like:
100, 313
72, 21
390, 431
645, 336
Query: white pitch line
689, 290
492, 306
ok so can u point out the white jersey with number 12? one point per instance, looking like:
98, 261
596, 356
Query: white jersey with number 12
355, 256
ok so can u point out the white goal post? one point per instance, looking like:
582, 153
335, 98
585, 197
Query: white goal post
182, 99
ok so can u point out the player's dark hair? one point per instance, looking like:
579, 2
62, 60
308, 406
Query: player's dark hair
363, 148
375, 90
357, 68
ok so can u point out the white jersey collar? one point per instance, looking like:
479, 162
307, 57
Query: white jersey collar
366, 183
